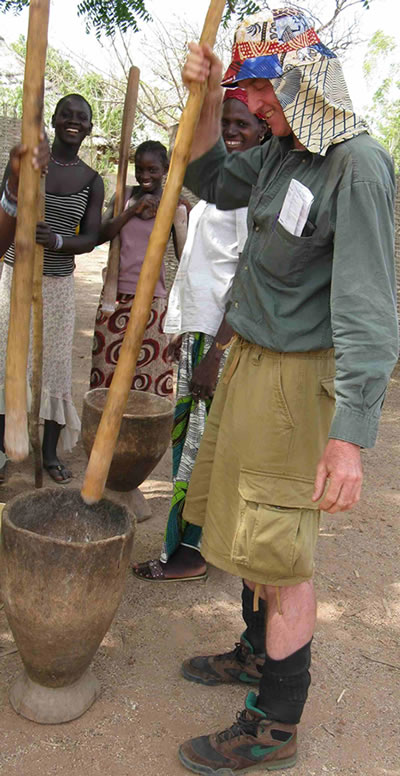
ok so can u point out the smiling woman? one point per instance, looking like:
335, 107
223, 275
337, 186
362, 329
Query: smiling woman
74, 197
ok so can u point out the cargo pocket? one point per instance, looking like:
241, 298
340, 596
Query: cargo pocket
276, 543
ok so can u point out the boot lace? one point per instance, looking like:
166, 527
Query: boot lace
244, 726
238, 654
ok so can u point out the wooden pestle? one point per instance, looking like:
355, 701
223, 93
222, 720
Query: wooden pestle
108, 430
16, 417
111, 282
37, 346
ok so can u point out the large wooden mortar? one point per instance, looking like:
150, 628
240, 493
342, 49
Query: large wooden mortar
143, 438
63, 569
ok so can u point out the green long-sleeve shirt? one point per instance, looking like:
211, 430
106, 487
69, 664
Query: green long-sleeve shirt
334, 285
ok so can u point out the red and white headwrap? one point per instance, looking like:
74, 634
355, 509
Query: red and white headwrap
239, 94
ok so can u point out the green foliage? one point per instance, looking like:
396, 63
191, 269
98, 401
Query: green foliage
239, 8
108, 16
380, 46
104, 16
382, 70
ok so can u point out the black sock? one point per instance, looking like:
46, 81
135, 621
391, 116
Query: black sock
255, 621
284, 686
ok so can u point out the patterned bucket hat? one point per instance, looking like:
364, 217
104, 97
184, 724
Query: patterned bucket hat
282, 46
270, 42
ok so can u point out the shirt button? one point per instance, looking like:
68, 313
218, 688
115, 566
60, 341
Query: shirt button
256, 228
236, 304
246, 267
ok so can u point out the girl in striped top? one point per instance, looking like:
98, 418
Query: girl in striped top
74, 198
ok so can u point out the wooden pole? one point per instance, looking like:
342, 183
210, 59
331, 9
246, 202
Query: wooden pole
107, 433
111, 282
37, 347
16, 424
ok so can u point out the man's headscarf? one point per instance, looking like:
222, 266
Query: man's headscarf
282, 45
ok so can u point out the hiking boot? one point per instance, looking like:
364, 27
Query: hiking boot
253, 743
240, 665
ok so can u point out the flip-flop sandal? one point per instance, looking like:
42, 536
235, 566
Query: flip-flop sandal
57, 471
155, 567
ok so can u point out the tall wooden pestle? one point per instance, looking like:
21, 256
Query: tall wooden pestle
107, 434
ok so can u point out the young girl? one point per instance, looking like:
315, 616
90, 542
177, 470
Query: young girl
135, 224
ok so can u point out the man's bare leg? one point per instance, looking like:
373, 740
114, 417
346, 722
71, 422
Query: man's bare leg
290, 622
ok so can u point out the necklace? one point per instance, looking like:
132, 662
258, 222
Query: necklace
65, 164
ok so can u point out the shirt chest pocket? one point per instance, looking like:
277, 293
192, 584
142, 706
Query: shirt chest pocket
284, 256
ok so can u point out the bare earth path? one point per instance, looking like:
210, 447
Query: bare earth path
351, 723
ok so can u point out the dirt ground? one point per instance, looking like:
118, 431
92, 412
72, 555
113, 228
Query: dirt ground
351, 722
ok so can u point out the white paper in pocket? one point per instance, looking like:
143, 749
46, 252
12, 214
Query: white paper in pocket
296, 208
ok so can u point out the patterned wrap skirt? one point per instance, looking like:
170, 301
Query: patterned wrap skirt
153, 371
58, 332
189, 424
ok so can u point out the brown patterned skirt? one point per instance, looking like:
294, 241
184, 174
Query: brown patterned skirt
153, 371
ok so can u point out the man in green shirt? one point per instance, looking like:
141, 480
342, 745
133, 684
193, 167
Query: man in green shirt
313, 306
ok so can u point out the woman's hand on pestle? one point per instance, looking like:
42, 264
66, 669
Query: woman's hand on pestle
45, 236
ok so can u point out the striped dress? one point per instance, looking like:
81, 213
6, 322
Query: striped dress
63, 213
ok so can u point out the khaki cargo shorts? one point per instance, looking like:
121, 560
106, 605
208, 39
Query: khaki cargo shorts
253, 480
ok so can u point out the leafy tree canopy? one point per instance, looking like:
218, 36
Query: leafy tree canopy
382, 71
107, 16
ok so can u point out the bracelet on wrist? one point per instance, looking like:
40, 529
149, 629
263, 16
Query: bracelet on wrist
59, 242
8, 206
10, 195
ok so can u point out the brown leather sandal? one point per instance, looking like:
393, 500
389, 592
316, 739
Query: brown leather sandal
153, 571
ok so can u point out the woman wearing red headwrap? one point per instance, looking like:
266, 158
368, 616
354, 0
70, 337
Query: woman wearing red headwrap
195, 317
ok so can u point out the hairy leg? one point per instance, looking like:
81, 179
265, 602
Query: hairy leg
291, 616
